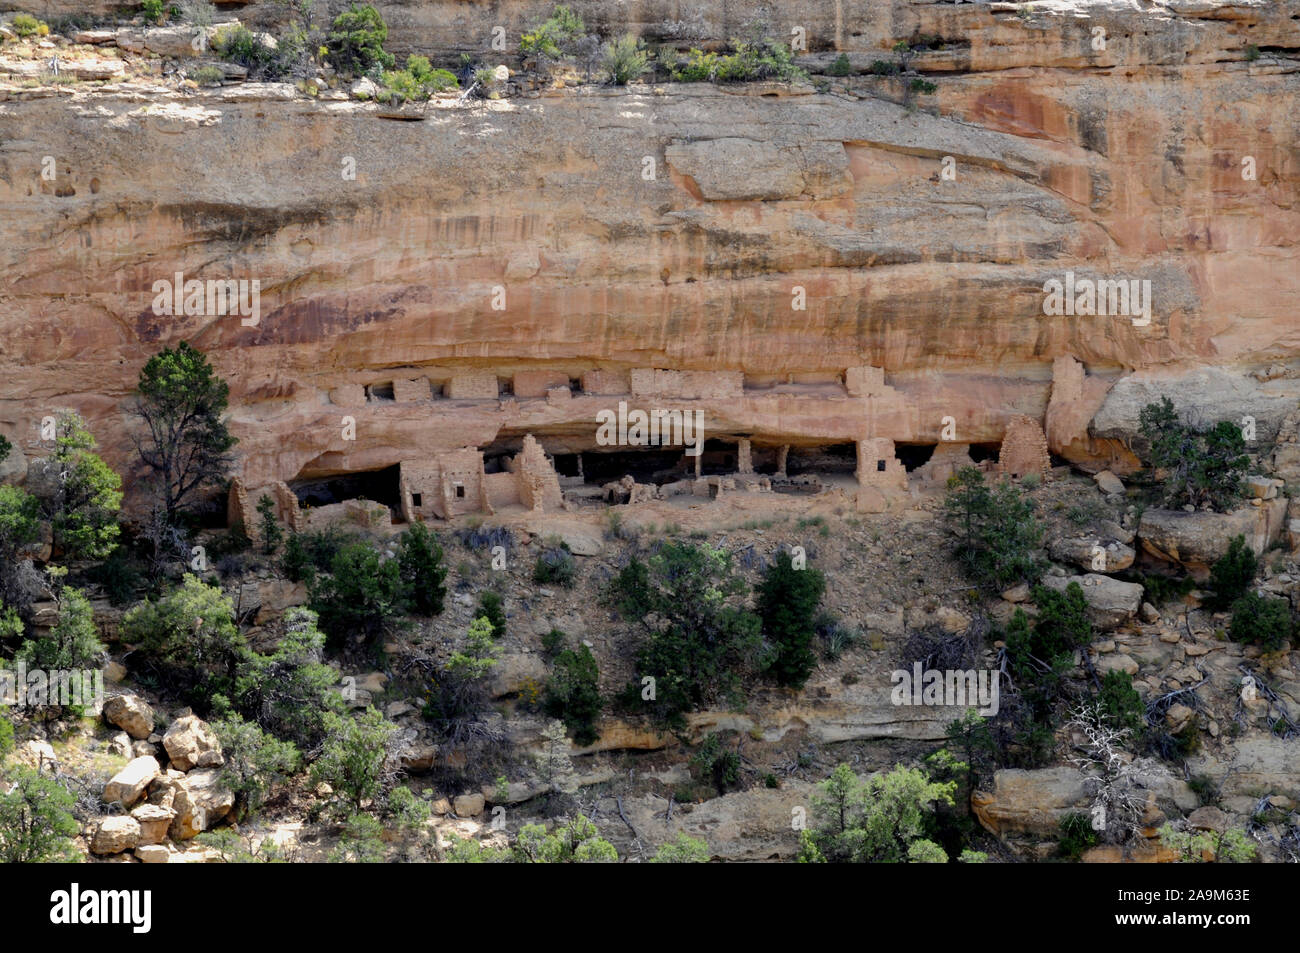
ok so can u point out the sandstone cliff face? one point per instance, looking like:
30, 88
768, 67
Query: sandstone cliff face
1120, 163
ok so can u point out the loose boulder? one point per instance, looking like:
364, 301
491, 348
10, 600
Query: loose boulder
1110, 601
114, 835
130, 713
191, 743
1197, 540
198, 799
154, 820
1030, 801
128, 785
1093, 554
469, 805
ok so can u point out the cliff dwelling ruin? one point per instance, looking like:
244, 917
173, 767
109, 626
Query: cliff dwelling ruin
851, 435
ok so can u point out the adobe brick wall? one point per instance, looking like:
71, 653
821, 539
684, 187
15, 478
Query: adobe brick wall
349, 395
1024, 448
239, 509
539, 486
871, 453
606, 382
463, 467
412, 390
502, 488
642, 381
537, 383
687, 385
425, 478
473, 387
364, 514
947, 459
865, 381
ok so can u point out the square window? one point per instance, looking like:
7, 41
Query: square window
417, 500
880, 466
460, 492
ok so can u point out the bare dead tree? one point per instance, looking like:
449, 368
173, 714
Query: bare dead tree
1111, 775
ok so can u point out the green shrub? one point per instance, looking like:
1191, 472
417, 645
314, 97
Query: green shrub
419, 558
701, 641
361, 594
556, 37
1229, 846
997, 534
685, 849
1201, 467
11, 623
25, 25
73, 643
19, 527
272, 535
717, 765
36, 820
700, 67
1076, 835
837, 638
1062, 624
235, 43
764, 59
1158, 589
553, 642
190, 630
840, 67
152, 10
296, 562
786, 600
624, 60
573, 693
1252, 53
1121, 705
254, 762
882, 819
1231, 576
211, 76
360, 841
289, 691
492, 608
80, 494
575, 843
1039, 656
1261, 620
555, 566
306, 554
355, 758
458, 694
419, 80
356, 40
925, 87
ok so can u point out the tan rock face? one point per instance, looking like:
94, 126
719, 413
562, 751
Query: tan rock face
1029, 801
938, 281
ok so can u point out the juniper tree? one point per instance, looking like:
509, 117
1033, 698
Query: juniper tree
79, 493
187, 445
